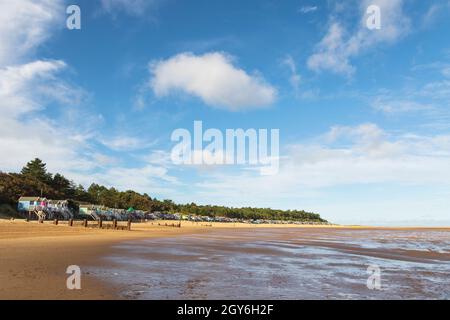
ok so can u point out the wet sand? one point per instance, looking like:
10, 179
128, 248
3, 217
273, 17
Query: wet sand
34, 257
156, 262
271, 263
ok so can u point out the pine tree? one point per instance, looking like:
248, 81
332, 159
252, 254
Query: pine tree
64, 186
36, 169
60, 183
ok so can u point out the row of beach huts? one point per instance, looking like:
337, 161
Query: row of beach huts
43, 208
46, 209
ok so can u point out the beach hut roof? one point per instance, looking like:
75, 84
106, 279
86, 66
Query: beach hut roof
86, 205
57, 201
31, 199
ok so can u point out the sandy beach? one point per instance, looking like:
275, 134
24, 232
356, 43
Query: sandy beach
34, 257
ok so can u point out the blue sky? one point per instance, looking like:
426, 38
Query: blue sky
363, 114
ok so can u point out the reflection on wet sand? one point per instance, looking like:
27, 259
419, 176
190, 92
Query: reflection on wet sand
283, 264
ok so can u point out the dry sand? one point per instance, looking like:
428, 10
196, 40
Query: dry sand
34, 257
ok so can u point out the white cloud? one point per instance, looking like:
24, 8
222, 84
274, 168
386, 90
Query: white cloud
25, 132
25, 25
27, 87
367, 154
295, 77
146, 179
435, 12
392, 106
429, 98
308, 9
332, 52
24, 87
125, 143
104, 160
345, 158
437, 89
338, 46
40, 137
159, 157
213, 78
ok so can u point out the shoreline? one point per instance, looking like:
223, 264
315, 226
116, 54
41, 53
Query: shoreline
35, 256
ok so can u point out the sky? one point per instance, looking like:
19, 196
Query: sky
363, 114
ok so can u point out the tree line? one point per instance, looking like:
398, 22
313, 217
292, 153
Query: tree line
35, 180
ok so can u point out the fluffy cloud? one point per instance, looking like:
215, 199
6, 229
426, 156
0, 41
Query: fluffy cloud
23, 87
26, 24
27, 87
24, 132
213, 78
332, 52
338, 46
367, 154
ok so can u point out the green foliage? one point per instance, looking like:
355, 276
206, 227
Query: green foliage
249, 213
36, 169
7, 211
14, 185
35, 179
61, 183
